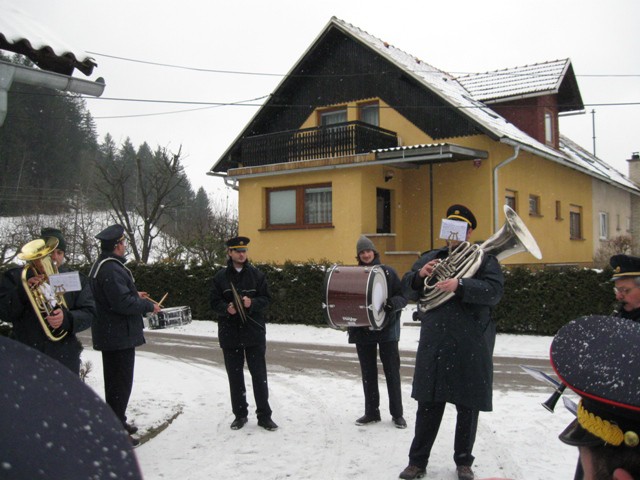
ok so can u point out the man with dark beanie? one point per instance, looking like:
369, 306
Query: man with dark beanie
63, 323
117, 330
368, 342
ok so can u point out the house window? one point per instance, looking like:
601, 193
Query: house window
548, 128
534, 205
299, 207
369, 113
618, 222
331, 117
558, 210
575, 222
510, 199
604, 225
383, 210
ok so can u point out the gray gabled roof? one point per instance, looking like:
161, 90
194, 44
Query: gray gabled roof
517, 82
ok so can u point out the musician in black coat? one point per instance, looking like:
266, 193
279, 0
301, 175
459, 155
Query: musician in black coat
626, 277
239, 295
117, 330
454, 359
16, 309
368, 342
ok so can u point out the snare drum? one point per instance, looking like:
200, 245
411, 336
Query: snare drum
355, 297
169, 317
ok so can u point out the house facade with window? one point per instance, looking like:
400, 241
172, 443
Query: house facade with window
363, 138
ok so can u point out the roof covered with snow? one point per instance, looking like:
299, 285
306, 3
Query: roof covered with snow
20, 33
455, 93
518, 81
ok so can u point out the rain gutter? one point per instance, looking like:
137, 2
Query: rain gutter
10, 73
516, 152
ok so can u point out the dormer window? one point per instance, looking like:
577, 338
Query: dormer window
548, 128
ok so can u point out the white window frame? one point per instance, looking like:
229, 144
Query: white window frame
604, 225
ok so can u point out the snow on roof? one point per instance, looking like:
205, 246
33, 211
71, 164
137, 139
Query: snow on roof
518, 81
453, 92
22, 34
579, 156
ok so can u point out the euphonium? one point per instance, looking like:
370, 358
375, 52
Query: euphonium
465, 260
44, 299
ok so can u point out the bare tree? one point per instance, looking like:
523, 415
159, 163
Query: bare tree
158, 180
619, 244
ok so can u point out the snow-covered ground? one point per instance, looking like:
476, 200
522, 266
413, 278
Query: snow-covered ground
315, 410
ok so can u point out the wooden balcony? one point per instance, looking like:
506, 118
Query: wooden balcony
338, 140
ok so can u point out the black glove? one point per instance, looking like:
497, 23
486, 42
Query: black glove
388, 306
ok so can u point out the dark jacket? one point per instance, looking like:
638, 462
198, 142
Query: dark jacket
631, 315
249, 282
119, 322
391, 331
454, 359
16, 309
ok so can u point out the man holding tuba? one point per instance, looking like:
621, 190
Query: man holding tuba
52, 333
454, 358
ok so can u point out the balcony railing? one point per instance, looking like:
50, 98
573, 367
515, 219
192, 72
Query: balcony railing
340, 139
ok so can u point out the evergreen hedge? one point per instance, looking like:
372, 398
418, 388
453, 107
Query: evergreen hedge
535, 301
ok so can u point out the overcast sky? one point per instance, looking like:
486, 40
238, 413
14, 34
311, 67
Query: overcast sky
268, 37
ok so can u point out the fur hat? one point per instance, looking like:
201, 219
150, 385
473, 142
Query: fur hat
54, 232
364, 243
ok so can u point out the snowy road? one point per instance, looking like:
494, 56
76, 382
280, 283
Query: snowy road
316, 395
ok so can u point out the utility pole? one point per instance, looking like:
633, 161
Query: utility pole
593, 129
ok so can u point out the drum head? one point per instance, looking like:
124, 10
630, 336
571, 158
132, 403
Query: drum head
376, 297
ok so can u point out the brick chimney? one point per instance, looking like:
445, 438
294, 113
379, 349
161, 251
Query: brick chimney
634, 175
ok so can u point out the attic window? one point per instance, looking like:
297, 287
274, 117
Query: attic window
548, 128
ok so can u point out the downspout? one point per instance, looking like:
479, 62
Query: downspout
516, 152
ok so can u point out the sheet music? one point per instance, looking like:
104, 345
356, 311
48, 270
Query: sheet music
66, 282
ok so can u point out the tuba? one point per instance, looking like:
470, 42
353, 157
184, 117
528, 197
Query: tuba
465, 260
43, 297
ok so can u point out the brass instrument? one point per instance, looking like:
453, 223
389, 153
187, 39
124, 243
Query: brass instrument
550, 403
465, 260
43, 297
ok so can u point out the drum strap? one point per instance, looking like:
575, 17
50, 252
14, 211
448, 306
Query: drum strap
97, 266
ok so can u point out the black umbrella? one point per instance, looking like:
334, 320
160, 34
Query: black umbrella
53, 426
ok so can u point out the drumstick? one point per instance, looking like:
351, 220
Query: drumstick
161, 300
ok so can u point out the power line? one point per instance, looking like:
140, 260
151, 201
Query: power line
497, 73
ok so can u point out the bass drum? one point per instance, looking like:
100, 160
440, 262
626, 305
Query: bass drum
355, 297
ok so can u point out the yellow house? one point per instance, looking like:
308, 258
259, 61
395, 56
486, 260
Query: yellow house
363, 138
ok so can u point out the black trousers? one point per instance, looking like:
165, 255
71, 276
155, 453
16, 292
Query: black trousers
390, 357
234, 362
428, 419
117, 367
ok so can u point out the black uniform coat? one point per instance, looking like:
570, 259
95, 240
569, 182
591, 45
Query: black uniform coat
16, 308
119, 322
454, 359
249, 282
631, 315
391, 331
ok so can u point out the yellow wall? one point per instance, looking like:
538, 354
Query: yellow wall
354, 196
